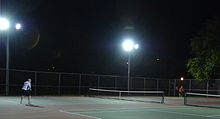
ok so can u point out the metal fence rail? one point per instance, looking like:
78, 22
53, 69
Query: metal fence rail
55, 83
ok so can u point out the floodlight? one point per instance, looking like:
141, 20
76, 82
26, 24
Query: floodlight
4, 24
182, 78
128, 45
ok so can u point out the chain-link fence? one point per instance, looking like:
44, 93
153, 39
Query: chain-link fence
53, 83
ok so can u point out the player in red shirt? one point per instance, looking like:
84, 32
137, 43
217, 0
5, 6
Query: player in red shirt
181, 91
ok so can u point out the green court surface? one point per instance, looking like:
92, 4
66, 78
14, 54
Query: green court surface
67, 107
68, 100
150, 113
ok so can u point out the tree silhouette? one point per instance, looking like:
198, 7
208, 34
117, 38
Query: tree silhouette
206, 51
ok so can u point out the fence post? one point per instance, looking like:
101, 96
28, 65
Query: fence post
7, 80
98, 81
115, 83
59, 84
35, 89
80, 83
207, 87
190, 83
174, 87
169, 88
157, 84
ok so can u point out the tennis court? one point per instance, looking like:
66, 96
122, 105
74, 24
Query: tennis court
68, 107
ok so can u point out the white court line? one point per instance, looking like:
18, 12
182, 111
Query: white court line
11, 101
189, 114
214, 116
80, 114
133, 108
96, 111
180, 113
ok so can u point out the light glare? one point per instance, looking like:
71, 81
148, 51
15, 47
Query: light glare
4, 24
18, 26
136, 46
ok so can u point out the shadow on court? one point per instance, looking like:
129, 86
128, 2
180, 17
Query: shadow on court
96, 108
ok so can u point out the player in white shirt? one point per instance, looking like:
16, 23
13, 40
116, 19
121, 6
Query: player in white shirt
26, 91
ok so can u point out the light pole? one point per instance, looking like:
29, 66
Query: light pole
128, 45
4, 25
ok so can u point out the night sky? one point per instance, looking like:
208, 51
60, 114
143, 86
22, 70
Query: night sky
85, 36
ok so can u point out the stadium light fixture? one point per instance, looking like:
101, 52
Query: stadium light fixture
129, 45
4, 24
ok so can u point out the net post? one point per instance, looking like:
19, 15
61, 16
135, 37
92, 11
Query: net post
119, 95
89, 92
163, 95
185, 100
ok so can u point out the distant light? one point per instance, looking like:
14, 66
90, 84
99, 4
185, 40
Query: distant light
4, 24
136, 46
182, 78
158, 59
128, 45
126, 62
18, 26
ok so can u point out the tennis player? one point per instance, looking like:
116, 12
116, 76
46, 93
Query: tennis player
26, 91
181, 91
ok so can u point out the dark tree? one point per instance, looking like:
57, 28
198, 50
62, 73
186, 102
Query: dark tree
205, 46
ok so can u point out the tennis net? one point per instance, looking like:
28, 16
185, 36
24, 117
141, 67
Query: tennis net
141, 96
203, 100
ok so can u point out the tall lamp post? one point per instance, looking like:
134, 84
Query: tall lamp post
128, 45
4, 25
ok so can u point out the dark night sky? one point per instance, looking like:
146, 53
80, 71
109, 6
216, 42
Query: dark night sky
85, 36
